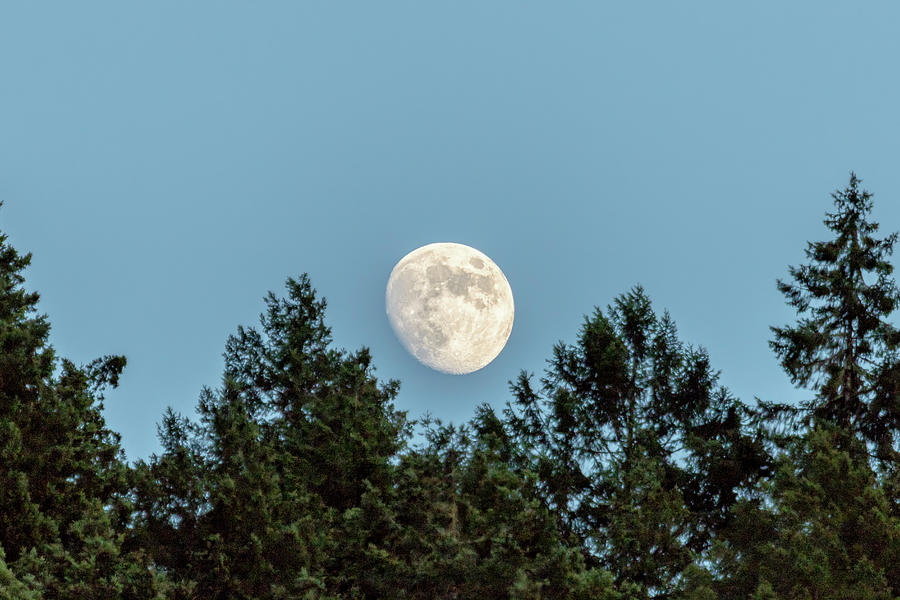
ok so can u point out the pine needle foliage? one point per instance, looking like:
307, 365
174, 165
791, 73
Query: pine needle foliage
843, 344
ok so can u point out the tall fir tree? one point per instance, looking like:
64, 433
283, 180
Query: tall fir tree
843, 344
264, 489
638, 451
825, 526
64, 503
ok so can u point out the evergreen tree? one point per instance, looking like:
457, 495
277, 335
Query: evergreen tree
843, 344
258, 499
463, 523
14, 588
825, 526
638, 451
825, 530
63, 480
170, 495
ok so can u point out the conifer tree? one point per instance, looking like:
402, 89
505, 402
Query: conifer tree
265, 485
638, 451
64, 503
170, 495
825, 530
462, 522
825, 526
843, 345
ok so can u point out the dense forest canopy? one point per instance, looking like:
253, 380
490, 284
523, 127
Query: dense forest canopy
625, 471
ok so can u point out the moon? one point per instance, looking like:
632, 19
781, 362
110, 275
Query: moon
450, 306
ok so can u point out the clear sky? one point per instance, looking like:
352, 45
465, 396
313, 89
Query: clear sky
168, 163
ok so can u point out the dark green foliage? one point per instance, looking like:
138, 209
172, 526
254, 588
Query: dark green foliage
14, 588
296, 482
842, 343
825, 531
464, 524
825, 526
638, 451
254, 500
628, 473
63, 480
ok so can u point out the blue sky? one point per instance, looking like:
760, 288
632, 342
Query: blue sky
168, 163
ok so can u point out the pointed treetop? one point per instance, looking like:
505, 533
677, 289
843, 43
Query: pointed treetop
843, 297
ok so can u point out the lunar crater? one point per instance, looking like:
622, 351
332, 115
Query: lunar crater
450, 306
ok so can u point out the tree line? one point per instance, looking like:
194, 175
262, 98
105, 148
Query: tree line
625, 471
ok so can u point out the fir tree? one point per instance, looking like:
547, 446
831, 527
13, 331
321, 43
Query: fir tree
261, 494
824, 530
825, 526
64, 503
843, 345
638, 451
464, 523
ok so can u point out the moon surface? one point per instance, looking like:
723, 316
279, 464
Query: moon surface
450, 306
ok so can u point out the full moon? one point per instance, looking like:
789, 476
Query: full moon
450, 306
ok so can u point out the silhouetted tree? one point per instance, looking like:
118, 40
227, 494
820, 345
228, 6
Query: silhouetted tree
637, 450
825, 530
843, 344
255, 500
296, 482
824, 526
465, 524
629, 472
63, 481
